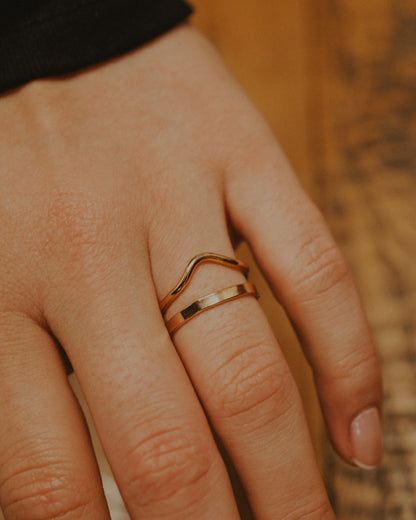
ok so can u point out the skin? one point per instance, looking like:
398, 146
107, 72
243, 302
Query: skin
112, 179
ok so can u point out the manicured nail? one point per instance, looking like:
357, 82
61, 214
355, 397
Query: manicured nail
366, 437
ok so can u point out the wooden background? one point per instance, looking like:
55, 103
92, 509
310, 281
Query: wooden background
336, 79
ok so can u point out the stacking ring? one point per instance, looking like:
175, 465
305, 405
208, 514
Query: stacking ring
211, 300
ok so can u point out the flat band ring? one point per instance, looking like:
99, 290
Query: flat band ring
212, 300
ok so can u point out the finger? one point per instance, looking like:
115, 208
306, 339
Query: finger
150, 423
47, 467
300, 259
242, 379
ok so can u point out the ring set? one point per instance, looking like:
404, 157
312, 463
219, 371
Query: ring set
211, 300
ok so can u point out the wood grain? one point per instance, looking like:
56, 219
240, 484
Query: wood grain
366, 176
336, 79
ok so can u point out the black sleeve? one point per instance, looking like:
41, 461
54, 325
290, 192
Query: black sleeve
40, 38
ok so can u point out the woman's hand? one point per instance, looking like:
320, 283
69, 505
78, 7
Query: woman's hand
112, 179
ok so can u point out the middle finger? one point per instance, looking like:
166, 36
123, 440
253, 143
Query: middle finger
150, 423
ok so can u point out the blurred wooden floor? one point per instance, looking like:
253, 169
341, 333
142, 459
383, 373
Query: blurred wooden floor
336, 79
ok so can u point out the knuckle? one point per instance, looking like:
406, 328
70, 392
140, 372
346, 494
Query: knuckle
251, 381
356, 365
166, 463
45, 492
318, 265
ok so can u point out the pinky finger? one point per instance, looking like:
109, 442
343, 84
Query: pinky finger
295, 250
47, 468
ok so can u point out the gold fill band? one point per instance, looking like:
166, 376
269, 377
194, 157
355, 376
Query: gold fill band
212, 300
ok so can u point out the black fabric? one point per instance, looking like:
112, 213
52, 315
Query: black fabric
40, 38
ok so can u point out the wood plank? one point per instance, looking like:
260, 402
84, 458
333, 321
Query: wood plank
366, 176
347, 67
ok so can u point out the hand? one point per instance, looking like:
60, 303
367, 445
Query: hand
112, 179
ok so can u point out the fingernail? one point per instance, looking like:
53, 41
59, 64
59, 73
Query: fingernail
366, 437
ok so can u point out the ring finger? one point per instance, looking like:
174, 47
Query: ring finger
242, 380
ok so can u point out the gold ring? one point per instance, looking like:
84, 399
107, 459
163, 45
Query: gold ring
212, 300
192, 266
